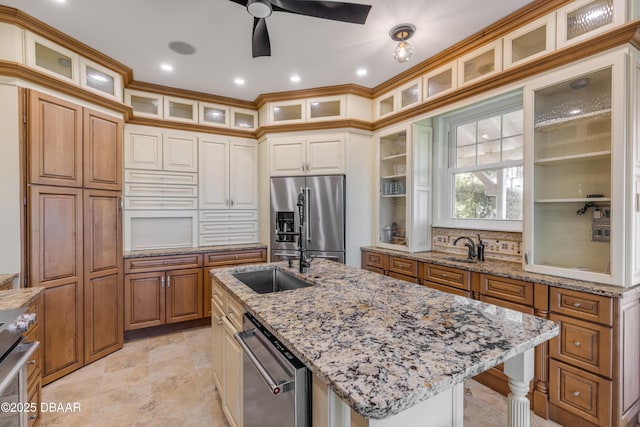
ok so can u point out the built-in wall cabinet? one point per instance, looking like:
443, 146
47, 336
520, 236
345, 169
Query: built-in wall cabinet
403, 188
74, 230
318, 155
188, 189
581, 207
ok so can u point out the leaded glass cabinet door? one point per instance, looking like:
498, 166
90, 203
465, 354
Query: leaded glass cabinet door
574, 171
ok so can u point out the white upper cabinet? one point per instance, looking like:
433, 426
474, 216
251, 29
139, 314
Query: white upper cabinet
441, 80
578, 165
100, 80
531, 41
150, 148
144, 104
481, 63
51, 58
320, 155
180, 152
180, 109
143, 148
228, 174
582, 19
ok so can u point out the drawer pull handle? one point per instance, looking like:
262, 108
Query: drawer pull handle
31, 362
444, 274
219, 322
576, 393
33, 417
577, 343
577, 304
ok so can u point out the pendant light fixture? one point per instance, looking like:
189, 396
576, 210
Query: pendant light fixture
401, 33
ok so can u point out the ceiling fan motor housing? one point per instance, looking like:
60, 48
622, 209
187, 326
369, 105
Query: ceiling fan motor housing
259, 8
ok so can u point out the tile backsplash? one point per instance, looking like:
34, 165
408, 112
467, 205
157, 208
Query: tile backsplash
499, 245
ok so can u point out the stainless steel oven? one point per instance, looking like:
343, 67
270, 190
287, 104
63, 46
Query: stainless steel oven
275, 383
15, 354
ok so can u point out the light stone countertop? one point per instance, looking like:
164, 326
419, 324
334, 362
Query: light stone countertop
16, 298
383, 344
187, 251
511, 270
6, 278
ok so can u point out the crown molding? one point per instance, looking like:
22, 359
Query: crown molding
14, 16
628, 33
183, 93
328, 125
167, 124
346, 89
22, 72
520, 17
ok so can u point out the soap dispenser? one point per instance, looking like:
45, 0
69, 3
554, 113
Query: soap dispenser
480, 249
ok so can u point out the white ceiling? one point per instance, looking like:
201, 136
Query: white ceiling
321, 52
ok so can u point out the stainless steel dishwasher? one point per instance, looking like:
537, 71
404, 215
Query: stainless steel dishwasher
275, 383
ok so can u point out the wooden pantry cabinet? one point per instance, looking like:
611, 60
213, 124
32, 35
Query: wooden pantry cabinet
162, 290
74, 230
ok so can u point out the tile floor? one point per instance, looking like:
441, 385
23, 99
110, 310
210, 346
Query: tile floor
166, 381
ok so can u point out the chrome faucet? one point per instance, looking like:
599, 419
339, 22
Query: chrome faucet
471, 246
305, 262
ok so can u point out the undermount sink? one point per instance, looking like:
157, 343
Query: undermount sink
459, 259
269, 280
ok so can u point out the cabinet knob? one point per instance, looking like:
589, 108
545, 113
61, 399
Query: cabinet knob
219, 322
576, 304
576, 393
444, 275
31, 362
33, 417
577, 343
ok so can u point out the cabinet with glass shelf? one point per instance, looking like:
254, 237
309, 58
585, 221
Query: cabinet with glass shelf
576, 172
403, 205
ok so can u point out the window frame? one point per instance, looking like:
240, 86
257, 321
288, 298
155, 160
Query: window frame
444, 197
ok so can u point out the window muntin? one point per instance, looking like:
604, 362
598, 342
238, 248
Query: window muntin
486, 166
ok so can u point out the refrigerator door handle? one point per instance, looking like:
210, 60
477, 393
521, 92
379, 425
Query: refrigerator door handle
308, 190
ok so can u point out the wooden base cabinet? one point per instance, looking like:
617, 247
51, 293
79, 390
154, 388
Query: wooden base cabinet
154, 299
34, 366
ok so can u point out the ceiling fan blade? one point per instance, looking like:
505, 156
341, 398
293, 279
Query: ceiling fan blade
260, 43
240, 2
336, 11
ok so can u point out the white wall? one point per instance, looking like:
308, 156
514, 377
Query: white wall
359, 193
10, 249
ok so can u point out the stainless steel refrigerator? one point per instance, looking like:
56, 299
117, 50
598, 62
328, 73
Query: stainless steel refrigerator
324, 228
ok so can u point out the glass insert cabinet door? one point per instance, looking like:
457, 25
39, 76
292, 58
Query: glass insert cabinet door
573, 200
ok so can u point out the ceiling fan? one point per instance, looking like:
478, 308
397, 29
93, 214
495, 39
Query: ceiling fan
333, 10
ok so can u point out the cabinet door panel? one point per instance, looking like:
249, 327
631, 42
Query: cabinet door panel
287, 158
143, 149
232, 382
104, 328
144, 300
214, 184
56, 235
63, 338
55, 141
102, 151
180, 153
243, 178
103, 303
184, 295
325, 156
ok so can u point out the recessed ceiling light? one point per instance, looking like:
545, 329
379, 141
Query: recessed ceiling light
361, 72
239, 81
60, 1
166, 67
295, 78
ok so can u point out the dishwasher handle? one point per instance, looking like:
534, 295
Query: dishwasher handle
275, 387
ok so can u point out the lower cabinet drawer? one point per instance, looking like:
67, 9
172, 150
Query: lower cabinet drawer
217, 293
234, 312
374, 260
581, 393
447, 276
228, 239
235, 258
505, 289
139, 265
403, 266
583, 344
34, 397
228, 227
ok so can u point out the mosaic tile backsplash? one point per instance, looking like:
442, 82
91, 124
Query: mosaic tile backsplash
499, 245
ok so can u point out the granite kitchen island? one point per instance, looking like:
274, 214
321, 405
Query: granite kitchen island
396, 353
